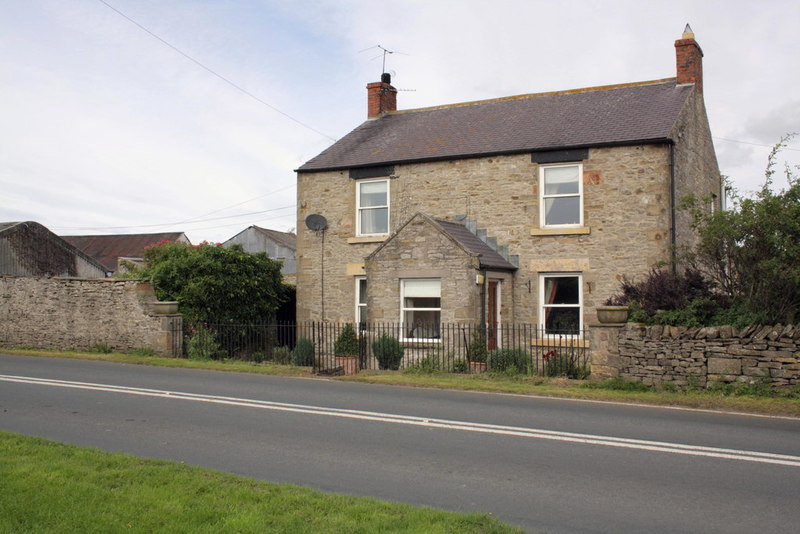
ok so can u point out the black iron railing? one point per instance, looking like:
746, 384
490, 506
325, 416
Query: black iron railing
336, 348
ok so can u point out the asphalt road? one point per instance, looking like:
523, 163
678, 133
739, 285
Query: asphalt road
544, 464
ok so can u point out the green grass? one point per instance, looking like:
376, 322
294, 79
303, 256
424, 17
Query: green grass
735, 398
50, 487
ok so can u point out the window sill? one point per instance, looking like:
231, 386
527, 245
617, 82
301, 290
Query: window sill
566, 342
367, 239
583, 230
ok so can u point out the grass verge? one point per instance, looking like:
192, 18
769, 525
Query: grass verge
53, 487
745, 400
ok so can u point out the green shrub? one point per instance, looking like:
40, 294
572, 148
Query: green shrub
282, 355
202, 344
460, 366
511, 361
388, 351
303, 354
561, 364
346, 342
476, 350
436, 361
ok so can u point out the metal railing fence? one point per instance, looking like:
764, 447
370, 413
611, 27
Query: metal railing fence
347, 348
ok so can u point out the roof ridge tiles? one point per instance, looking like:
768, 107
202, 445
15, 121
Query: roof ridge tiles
536, 95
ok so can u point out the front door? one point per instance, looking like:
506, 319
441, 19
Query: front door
492, 314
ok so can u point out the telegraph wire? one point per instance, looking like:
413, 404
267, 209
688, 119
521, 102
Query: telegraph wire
208, 69
175, 223
754, 144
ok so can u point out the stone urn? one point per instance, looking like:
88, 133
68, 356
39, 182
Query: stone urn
612, 314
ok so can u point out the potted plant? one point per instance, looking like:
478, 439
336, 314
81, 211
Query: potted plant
346, 350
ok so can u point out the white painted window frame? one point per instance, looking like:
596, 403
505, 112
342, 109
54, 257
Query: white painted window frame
404, 309
358, 304
542, 196
359, 209
543, 305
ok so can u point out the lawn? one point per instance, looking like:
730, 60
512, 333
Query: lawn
50, 487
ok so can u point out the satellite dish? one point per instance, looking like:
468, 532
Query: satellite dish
316, 222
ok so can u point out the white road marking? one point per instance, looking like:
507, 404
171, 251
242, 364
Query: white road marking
589, 439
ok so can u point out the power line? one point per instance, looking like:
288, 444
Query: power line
191, 219
754, 144
172, 224
208, 69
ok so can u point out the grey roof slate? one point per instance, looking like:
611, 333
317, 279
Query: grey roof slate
642, 112
489, 258
287, 239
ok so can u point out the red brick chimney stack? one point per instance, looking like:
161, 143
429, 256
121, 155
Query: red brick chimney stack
381, 97
689, 58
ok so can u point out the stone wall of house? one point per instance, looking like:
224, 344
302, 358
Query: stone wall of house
683, 356
696, 168
626, 232
77, 314
422, 251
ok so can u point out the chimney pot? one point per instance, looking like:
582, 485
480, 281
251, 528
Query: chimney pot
689, 60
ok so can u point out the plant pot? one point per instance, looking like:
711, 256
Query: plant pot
164, 308
477, 367
612, 314
348, 363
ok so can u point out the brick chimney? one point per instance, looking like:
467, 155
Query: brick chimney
689, 58
381, 97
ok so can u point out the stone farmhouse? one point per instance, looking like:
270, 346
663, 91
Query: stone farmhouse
522, 209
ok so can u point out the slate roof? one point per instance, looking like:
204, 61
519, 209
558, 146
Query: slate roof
489, 258
623, 114
286, 239
107, 249
43, 233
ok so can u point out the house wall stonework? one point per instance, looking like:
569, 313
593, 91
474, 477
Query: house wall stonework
696, 168
421, 251
626, 213
77, 314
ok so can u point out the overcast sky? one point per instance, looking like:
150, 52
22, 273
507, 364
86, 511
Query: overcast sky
106, 129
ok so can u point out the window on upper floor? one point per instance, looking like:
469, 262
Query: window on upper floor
560, 304
561, 195
421, 308
372, 207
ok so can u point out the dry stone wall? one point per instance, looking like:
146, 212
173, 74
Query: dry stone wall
682, 356
78, 314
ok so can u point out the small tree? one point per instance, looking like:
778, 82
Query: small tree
388, 351
303, 354
214, 284
346, 342
752, 251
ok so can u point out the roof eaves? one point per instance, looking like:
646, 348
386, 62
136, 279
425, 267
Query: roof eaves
473, 155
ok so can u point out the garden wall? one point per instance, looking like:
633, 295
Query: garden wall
80, 314
685, 356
